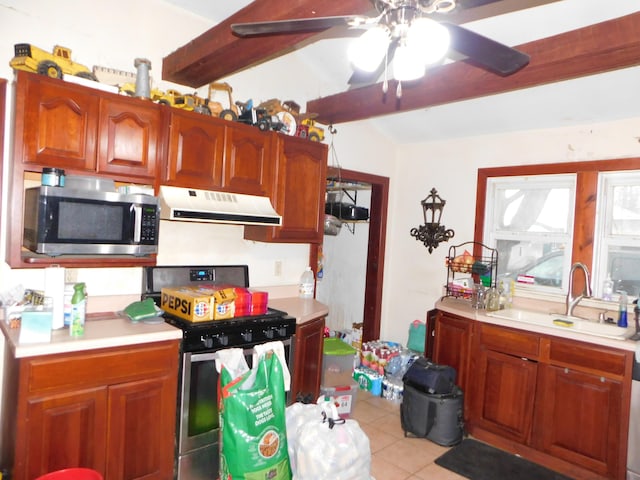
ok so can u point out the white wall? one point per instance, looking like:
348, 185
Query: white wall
415, 277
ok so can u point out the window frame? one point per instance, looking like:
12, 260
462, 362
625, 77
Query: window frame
586, 197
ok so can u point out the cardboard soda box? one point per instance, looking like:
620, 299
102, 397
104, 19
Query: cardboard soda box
197, 304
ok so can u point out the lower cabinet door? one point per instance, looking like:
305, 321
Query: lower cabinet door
140, 419
579, 418
66, 429
503, 395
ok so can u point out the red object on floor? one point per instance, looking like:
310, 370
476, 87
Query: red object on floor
72, 474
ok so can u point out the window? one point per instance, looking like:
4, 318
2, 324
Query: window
618, 232
542, 218
529, 220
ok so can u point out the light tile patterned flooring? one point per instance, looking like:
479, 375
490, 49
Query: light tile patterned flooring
394, 456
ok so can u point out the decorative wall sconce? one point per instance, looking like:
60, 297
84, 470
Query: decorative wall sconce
432, 233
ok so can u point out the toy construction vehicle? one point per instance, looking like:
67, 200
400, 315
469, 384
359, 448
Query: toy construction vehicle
299, 124
32, 59
172, 98
216, 108
259, 117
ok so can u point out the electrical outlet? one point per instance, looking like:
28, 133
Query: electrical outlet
70, 275
277, 268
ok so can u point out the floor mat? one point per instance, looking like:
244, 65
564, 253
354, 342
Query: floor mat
479, 461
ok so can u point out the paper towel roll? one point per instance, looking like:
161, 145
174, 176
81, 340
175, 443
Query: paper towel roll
54, 288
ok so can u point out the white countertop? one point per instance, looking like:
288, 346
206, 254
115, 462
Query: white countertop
463, 308
102, 331
303, 309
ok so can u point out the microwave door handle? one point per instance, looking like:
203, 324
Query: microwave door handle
137, 223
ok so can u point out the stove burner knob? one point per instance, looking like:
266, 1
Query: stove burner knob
223, 339
207, 341
270, 333
282, 331
247, 336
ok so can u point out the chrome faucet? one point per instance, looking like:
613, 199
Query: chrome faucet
586, 292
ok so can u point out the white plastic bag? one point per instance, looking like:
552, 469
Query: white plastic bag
324, 446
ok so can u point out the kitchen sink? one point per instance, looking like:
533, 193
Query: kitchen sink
562, 322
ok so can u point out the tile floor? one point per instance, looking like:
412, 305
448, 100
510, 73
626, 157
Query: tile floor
394, 456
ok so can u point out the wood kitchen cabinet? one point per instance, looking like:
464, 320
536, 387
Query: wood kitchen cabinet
579, 408
212, 154
84, 131
112, 410
297, 193
559, 402
451, 345
250, 160
307, 369
196, 151
505, 373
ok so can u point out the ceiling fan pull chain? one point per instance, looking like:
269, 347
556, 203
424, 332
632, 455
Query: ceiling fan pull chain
385, 84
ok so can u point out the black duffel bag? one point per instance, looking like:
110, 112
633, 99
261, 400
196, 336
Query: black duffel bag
430, 377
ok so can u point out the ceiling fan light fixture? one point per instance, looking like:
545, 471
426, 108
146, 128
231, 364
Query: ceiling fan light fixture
367, 51
407, 64
429, 39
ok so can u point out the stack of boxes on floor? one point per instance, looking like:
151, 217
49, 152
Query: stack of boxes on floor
350, 365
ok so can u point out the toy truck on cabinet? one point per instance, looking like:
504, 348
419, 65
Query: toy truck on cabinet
33, 59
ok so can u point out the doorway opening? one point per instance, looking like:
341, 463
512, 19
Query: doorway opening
372, 309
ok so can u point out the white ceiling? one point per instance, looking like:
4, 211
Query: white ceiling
598, 98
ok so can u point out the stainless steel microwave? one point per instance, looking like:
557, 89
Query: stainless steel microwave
61, 221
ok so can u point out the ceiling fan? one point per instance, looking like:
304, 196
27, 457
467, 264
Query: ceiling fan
402, 32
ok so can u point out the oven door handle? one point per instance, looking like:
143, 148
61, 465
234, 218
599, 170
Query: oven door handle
209, 356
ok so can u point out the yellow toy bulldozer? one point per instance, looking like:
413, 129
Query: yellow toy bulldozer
33, 59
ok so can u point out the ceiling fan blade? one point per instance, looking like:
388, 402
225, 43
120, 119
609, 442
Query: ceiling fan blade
486, 53
292, 26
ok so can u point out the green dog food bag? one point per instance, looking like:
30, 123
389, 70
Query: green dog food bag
252, 422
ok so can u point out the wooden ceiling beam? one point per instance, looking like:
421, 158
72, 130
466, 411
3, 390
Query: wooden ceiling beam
598, 48
217, 52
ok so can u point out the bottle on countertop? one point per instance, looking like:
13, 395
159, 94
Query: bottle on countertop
622, 318
607, 289
78, 310
307, 284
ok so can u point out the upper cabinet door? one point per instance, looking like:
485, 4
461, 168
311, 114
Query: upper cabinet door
196, 151
298, 193
56, 123
129, 138
249, 160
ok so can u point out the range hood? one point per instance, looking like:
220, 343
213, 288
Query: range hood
191, 205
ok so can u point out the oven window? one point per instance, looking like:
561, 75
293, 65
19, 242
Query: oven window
203, 407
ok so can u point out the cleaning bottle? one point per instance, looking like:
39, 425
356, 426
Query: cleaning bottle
307, 284
78, 310
622, 318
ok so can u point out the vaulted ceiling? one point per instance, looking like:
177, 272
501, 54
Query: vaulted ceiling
601, 47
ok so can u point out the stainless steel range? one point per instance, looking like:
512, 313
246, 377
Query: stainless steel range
197, 442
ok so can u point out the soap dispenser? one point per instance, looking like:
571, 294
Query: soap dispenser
622, 317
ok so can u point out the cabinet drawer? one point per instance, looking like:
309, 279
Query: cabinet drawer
98, 367
607, 361
507, 340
